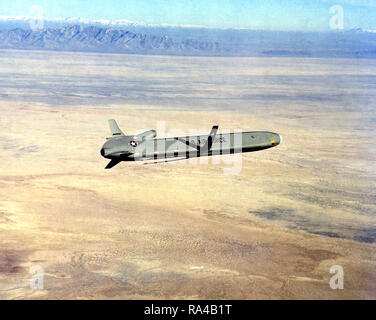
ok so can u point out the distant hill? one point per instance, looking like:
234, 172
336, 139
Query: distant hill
194, 41
78, 38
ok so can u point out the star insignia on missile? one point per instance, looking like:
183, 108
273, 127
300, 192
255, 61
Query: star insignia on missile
133, 144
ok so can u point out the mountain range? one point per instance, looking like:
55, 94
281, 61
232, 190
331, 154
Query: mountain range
129, 37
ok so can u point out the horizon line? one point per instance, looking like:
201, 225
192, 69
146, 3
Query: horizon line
126, 22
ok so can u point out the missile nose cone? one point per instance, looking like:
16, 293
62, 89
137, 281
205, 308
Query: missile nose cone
280, 139
276, 139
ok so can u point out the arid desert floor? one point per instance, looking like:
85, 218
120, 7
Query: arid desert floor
262, 225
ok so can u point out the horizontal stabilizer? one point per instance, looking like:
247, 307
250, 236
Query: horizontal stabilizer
115, 130
112, 163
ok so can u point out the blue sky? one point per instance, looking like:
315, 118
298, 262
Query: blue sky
254, 14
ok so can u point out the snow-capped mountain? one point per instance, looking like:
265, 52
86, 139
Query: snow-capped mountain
24, 22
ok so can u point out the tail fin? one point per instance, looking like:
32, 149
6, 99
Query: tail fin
112, 163
115, 130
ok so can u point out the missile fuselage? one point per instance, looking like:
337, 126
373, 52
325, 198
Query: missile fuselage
126, 148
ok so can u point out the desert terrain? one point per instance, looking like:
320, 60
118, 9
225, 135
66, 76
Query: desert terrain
265, 225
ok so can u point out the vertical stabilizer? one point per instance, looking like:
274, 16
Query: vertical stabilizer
114, 128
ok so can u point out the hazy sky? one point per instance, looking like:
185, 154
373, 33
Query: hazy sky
253, 14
